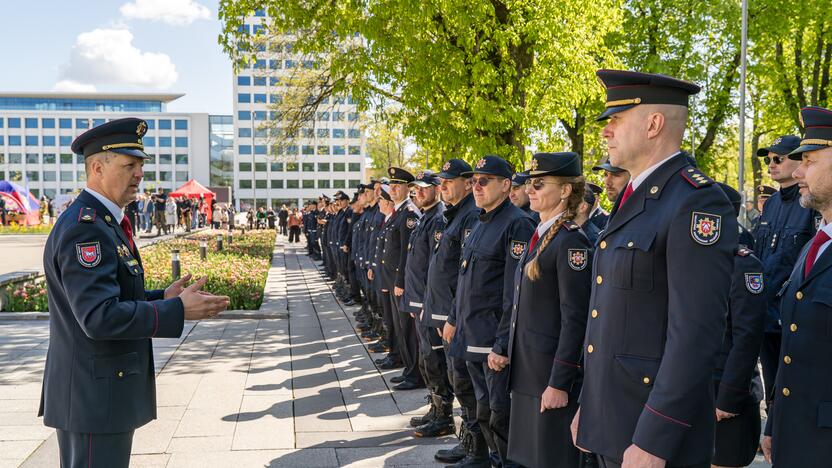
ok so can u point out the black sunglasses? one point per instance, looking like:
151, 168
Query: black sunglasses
776, 159
482, 181
538, 184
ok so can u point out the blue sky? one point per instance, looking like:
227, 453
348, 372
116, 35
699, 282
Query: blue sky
118, 46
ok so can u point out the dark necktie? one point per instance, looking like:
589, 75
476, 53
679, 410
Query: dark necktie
127, 227
820, 239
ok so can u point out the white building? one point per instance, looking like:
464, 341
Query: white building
37, 129
324, 158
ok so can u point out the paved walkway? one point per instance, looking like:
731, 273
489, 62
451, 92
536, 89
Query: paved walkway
264, 390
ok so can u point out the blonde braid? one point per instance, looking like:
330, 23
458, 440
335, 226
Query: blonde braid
572, 202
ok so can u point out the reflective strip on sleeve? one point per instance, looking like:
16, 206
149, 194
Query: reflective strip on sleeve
478, 349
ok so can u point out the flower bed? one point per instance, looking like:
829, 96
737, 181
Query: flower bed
14, 228
239, 271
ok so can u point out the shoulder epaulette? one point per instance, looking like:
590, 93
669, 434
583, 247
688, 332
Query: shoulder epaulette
695, 177
571, 225
744, 252
86, 215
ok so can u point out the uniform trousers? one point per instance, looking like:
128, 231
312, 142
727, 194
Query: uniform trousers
463, 390
408, 342
352, 276
493, 406
769, 360
389, 324
432, 362
607, 462
92, 450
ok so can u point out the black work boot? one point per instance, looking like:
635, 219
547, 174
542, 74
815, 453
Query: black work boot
442, 423
458, 452
477, 455
417, 421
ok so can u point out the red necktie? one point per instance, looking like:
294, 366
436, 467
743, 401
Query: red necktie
534, 240
820, 239
626, 195
128, 231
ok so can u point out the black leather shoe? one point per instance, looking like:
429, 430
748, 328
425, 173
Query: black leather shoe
436, 428
451, 455
397, 379
407, 385
381, 360
378, 348
391, 364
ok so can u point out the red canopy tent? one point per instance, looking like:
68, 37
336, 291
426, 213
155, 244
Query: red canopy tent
193, 189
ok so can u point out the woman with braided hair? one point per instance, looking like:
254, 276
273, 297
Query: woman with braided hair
549, 318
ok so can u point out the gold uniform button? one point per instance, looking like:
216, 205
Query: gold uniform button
120, 374
787, 359
594, 313
646, 381
590, 349
599, 280
464, 262
786, 391
793, 327
603, 244
799, 295
630, 244
654, 190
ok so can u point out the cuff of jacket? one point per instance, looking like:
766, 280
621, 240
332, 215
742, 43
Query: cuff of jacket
169, 317
730, 398
660, 434
563, 375
154, 295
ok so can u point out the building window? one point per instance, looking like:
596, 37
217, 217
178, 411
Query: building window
15, 176
31, 140
164, 142
277, 167
290, 64
259, 149
292, 167
152, 160
261, 133
164, 124
48, 140
244, 167
323, 116
307, 184
66, 158
308, 167
353, 116
323, 133
151, 124
292, 150
323, 150
66, 176
338, 167
150, 176
260, 81
181, 142
354, 183
147, 141
337, 116
338, 150
260, 167
14, 140
97, 122
181, 124
31, 123
308, 149
244, 132
47, 123
355, 133
79, 159
244, 98
338, 133
32, 158
355, 167
14, 122
339, 184
243, 81
65, 123
292, 183
164, 176
82, 123
164, 159
260, 64
65, 140
243, 115
277, 183
2, 141
260, 98
245, 183
259, 115
261, 184
323, 167
355, 150
323, 184
181, 176
181, 159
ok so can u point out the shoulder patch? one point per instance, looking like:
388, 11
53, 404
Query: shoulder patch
411, 223
577, 259
89, 254
754, 282
571, 225
86, 215
517, 249
695, 177
705, 227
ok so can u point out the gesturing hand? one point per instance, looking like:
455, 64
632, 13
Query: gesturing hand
199, 304
176, 288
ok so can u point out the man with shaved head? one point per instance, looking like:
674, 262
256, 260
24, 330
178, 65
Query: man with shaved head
661, 278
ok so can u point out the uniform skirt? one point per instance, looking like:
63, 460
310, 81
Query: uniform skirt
737, 438
541, 439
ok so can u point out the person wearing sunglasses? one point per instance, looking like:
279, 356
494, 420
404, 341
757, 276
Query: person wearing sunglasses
490, 256
552, 287
660, 288
783, 229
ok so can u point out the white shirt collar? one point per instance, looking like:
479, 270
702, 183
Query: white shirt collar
399, 205
117, 212
827, 228
644, 175
545, 225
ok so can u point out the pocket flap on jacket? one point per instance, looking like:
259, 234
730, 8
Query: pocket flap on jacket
115, 367
642, 369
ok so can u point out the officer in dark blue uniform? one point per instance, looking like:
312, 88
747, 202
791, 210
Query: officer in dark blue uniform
518, 195
584, 215
736, 378
383, 275
99, 382
311, 226
490, 255
799, 427
597, 215
432, 363
548, 320
615, 181
399, 228
351, 238
374, 227
783, 229
460, 216
661, 283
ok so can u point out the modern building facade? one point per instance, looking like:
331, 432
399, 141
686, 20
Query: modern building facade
37, 129
324, 157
